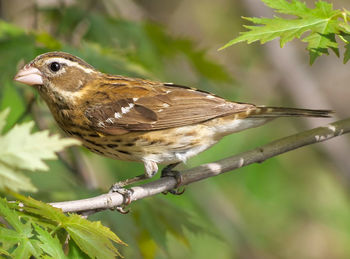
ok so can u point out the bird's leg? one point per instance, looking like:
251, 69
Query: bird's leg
118, 185
151, 169
169, 172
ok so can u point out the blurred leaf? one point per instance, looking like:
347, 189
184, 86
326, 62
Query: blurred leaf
169, 46
166, 217
347, 48
12, 98
7, 29
26, 150
143, 43
20, 149
3, 116
47, 41
14, 179
4, 252
147, 246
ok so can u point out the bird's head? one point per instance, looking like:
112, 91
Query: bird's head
57, 73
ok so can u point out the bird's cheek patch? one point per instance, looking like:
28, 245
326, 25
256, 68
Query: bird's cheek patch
29, 76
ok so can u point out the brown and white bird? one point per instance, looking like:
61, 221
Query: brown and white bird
139, 120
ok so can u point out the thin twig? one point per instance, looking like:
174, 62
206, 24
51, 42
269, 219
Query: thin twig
257, 155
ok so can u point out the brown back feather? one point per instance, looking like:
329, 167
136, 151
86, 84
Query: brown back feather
159, 107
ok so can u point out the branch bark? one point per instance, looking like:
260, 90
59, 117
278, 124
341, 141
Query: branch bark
257, 155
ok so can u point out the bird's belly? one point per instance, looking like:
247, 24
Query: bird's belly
161, 146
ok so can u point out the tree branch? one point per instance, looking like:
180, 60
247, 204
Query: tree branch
257, 155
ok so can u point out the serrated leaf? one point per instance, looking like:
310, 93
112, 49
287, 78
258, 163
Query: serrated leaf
26, 248
40, 208
293, 7
26, 150
92, 238
13, 219
49, 244
287, 30
318, 43
20, 149
322, 23
13, 179
324, 10
20, 236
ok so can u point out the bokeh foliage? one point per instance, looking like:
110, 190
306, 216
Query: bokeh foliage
283, 208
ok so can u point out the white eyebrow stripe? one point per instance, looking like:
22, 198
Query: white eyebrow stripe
70, 63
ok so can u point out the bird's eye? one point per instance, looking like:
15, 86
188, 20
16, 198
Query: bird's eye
55, 66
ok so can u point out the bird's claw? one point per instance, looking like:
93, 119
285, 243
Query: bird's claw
121, 209
175, 191
178, 177
126, 193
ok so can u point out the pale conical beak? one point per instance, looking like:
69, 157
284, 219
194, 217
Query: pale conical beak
29, 75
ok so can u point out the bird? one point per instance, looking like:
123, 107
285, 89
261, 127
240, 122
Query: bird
140, 120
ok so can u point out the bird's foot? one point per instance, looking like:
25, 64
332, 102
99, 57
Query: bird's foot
126, 193
169, 172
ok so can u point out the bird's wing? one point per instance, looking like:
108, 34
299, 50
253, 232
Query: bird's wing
159, 107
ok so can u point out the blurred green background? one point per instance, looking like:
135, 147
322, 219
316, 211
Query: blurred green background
292, 206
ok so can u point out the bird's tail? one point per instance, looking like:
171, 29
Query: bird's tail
259, 115
274, 112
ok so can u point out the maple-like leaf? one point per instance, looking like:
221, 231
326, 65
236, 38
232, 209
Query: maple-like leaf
22, 150
32, 229
18, 239
322, 24
48, 243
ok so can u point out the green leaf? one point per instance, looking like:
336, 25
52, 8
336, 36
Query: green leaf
346, 37
20, 237
13, 179
92, 238
22, 150
12, 218
322, 23
9, 29
168, 219
293, 8
3, 116
49, 244
4, 252
75, 252
287, 30
48, 41
26, 150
